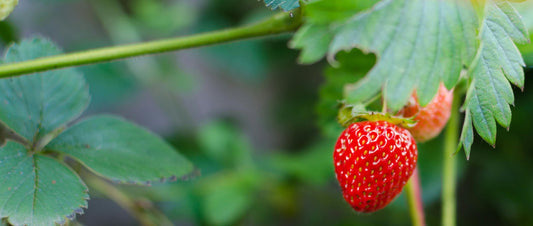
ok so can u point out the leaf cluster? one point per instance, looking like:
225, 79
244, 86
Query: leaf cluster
38, 187
420, 44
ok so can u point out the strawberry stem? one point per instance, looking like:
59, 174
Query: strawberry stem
449, 175
142, 209
414, 197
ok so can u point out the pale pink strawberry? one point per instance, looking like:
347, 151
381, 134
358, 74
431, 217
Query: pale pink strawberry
432, 118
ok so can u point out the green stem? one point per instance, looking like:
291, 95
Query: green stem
7, 133
141, 209
277, 24
39, 144
414, 197
449, 164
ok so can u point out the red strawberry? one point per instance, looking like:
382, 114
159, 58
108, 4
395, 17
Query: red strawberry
373, 161
432, 118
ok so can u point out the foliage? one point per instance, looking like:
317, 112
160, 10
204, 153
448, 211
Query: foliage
420, 44
283, 4
38, 189
117, 149
498, 60
409, 44
351, 67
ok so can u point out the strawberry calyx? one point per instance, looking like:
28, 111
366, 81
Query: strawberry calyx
349, 114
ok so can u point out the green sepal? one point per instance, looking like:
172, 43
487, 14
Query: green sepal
349, 114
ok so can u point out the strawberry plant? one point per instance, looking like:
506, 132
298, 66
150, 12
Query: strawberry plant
397, 74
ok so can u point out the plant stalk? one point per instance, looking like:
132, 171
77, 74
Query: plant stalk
414, 198
449, 174
7, 133
277, 24
141, 209
39, 144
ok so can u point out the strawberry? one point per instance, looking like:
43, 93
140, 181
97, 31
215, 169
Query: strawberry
432, 118
373, 161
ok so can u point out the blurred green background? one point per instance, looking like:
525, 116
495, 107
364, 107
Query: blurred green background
259, 127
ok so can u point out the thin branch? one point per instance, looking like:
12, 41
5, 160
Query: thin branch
142, 209
277, 24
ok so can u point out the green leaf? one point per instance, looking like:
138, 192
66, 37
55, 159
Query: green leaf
315, 36
121, 151
286, 5
36, 104
467, 135
324, 11
313, 39
352, 66
419, 44
498, 62
38, 190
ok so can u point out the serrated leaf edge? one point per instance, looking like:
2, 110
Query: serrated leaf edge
69, 217
466, 138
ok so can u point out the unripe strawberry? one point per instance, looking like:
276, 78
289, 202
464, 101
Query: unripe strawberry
6, 7
373, 161
432, 118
